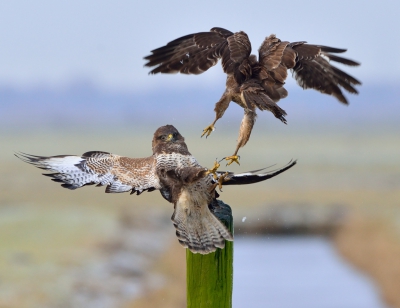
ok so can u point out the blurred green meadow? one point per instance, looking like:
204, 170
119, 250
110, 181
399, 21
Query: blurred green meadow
48, 233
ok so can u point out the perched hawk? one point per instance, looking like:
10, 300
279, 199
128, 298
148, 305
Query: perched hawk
171, 169
253, 83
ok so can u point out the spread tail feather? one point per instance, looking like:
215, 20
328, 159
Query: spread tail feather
256, 96
199, 230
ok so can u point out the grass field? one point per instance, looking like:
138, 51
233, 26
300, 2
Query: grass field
47, 232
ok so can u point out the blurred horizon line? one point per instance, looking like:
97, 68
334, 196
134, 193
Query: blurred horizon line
84, 102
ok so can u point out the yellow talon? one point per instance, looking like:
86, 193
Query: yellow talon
208, 130
231, 159
214, 169
221, 180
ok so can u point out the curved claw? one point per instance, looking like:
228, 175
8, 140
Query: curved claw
231, 159
208, 130
213, 170
221, 180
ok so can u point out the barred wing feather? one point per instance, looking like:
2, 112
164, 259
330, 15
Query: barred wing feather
119, 174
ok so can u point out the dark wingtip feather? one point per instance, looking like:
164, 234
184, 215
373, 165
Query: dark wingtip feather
30, 159
290, 164
345, 77
331, 49
341, 98
24, 156
344, 61
56, 180
69, 186
147, 58
255, 178
49, 174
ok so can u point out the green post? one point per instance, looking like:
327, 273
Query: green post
209, 278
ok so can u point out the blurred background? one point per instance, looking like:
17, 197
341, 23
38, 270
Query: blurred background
324, 234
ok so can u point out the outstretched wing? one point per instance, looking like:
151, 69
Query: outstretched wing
119, 174
254, 176
310, 65
313, 70
195, 53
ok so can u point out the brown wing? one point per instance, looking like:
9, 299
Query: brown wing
270, 57
119, 174
195, 53
313, 70
275, 59
310, 65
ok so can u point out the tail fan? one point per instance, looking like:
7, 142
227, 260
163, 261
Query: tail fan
199, 230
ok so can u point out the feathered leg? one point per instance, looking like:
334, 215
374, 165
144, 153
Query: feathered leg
246, 127
219, 109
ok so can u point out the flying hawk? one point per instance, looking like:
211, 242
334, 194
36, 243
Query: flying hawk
171, 169
253, 83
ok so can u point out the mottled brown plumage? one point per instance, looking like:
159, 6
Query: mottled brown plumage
253, 83
171, 169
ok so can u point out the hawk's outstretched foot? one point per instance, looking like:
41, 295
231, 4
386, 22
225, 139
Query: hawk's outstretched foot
231, 159
221, 180
213, 170
208, 130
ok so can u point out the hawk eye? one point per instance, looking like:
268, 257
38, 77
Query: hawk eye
163, 137
174, 135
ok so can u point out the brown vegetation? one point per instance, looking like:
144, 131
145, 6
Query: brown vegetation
371, 245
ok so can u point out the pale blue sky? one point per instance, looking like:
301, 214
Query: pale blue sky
56, 42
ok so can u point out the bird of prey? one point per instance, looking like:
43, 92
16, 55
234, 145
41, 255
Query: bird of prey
253, 83
171, 169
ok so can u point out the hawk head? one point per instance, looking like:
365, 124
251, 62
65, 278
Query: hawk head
168, 140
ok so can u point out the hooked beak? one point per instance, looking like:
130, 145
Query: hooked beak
170, 137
